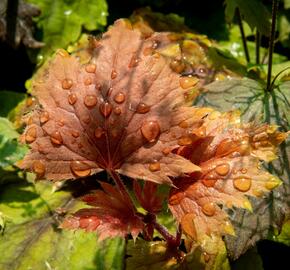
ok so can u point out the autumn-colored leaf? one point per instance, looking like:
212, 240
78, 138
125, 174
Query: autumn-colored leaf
123, 111
112, 215
230, 169
148, 196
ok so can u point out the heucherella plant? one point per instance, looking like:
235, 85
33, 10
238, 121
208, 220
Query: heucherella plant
125, 112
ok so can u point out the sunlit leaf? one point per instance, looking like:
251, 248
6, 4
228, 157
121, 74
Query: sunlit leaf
112, 215
255, 104
61, 21
121, 112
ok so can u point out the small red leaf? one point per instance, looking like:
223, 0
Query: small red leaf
112, 215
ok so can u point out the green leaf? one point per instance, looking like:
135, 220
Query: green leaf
10, 150
256, 104
61, 21
284, 235
252, 11
8, 101
32, 239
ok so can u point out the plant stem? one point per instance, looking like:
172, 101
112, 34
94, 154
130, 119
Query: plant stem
122, 188
11, 21
240, 22
170, 239
271, 42
258, 41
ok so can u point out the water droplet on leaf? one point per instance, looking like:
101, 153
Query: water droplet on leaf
38, 168
242, 183
72, 99
117, 111
80, 168
150, 130
56, 137
134, 61
222, 169
154, 166
106, 109
208, 209
142, 108
44, 117
90, 68
177, 66
67, 84
187, 82
120, 97
114, 74
99, 132
90, 101
30, 135
185, 140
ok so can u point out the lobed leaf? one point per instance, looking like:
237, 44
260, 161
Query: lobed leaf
230, 169
122, 111
111, 216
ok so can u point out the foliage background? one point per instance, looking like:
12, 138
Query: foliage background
28, 204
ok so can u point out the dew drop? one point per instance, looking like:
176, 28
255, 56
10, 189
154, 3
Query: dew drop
120, 97
244, 170
154, 166
114, 74
177, 65
176, 198
150, 130
183, 124
117, 110
99, 132
187, 82
88, 81
147, 51
106, 109
38, 168
134, 61
166, 151
75, 133
72, 99
242, 183
30, 135
61, 122
90, 101
44, 117
208, 209
67, 83
62, 53
222, 169
90, 68
185, 140
80, 168
142, 108
56, 138
208, 182
87, 119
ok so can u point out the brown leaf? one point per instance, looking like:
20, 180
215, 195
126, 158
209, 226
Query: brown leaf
229, 157
111, 216
122, 111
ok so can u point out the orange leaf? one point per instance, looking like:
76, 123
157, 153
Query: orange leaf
230, 169
121, 111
